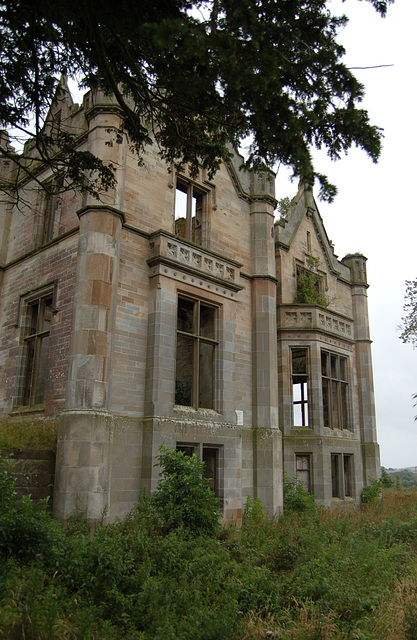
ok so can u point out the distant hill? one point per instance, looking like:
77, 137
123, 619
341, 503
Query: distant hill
407, 476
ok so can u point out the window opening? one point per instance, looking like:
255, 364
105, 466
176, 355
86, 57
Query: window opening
347, 472
52, 209
186, 449
335, 476
36, 341
342, 469
196, 345
188, 211
211, 464
211, 457
334, 390
300, 387
310, 284
302, 469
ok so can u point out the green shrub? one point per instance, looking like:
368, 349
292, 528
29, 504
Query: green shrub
372, 492
27, 530
183, 498
296, 498
254, 513
386, 481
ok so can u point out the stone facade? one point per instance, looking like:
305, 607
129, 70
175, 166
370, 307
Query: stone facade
165, 314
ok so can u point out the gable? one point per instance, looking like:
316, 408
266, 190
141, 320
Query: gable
303, 233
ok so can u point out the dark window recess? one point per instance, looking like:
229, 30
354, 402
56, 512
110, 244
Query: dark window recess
347, 474
187, 450
36, 350
335, 476
300, 387
211, 465
189, 206
196, 345
334, 390
342, 470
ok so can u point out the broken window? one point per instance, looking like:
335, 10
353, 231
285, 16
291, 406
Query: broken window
189, 204
342, 469
210, 455
299, 387
334, 390
37, 323
302, 470
196, 344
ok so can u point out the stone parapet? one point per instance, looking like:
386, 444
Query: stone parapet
171, 251
314, 318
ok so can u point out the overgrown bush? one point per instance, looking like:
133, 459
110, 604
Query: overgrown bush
27, 530
309, 574
385, 480
183, 498
296, 498
254, 513
372, 492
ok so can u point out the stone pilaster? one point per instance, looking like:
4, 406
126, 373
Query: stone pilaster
85, 435
267, 437
161, 353
365, 387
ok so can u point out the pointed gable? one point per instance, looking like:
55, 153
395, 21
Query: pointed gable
303, 232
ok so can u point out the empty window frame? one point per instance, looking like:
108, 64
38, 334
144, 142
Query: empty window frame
189, 207
299, 368
334, 390
36, 320
52, 208
196, 345
210, 455
342, 470
311, 287
302, 470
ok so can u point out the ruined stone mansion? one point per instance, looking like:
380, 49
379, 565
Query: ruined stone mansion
169, 312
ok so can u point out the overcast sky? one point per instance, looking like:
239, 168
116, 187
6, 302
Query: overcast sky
375, 210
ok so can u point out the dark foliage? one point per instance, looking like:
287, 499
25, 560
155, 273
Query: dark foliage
196, 76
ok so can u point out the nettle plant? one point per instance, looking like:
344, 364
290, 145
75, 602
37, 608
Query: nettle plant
309, 284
